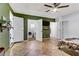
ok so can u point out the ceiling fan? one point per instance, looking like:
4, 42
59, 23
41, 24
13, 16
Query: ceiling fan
55, 6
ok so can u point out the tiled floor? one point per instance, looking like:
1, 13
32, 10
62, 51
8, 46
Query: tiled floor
37, 48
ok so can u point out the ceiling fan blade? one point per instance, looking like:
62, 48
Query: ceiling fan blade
56, 4
47, 10
48, 5
63, 6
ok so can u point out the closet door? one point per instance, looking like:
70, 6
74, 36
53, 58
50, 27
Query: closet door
39, 30
18, 25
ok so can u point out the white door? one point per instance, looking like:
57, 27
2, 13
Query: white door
53, 29
39, 30
18, 25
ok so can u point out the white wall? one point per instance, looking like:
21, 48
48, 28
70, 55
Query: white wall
65, 31
71, 26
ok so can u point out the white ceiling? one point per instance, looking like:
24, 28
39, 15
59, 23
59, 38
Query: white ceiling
39, 9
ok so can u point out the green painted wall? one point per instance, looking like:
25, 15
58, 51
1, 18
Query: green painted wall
33, 17
25, 28
4, 36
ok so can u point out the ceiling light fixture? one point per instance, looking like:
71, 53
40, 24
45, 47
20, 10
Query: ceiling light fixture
55, 9
55, 6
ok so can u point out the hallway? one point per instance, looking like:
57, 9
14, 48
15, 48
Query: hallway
36, 48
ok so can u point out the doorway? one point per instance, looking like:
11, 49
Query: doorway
46, 29
34, 31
